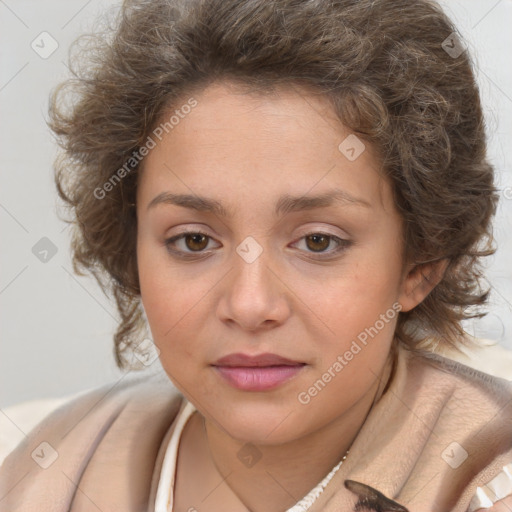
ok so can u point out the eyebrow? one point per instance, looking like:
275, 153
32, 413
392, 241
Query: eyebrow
285, 204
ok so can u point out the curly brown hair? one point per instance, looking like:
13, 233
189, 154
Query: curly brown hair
383, 64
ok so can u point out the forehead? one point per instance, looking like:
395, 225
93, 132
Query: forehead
284, 115
289, 140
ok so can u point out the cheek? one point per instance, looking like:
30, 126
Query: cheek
353, 297
356, 310
165, 299
173, 301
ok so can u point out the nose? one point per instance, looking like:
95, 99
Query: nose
254, 295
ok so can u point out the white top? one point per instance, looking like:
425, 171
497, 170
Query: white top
165, 491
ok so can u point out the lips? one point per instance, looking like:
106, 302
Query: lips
257, 373
259, 360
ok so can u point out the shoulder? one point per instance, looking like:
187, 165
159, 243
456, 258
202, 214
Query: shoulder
465, 392
475, 406
445, 372
447, 431
133, 396
113, 426
130, 395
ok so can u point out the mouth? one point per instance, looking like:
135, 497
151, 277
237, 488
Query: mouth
257, 373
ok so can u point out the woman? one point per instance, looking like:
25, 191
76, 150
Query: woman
295, 195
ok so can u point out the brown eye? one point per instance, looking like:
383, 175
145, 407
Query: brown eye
196, 241
189, 244
318, 242
324, 245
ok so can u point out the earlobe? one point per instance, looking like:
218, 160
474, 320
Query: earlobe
420, 280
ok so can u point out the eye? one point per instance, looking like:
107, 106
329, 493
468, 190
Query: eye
188, 243
319, 242
196, 243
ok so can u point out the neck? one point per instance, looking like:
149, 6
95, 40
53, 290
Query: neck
287, 472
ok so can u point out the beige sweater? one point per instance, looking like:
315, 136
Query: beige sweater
440, 430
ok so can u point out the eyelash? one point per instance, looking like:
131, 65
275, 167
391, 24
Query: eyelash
342, 245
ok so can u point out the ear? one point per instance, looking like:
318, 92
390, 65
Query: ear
419, 281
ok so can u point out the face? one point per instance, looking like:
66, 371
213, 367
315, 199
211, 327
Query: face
258, 234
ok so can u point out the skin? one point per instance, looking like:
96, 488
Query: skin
245, 150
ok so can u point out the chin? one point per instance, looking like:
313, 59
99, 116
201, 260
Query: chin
263, 423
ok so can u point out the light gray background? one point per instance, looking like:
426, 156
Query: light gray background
56, 328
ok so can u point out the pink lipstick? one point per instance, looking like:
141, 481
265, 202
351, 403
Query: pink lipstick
257, 373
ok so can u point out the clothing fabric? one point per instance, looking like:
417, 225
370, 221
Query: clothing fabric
439, 439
